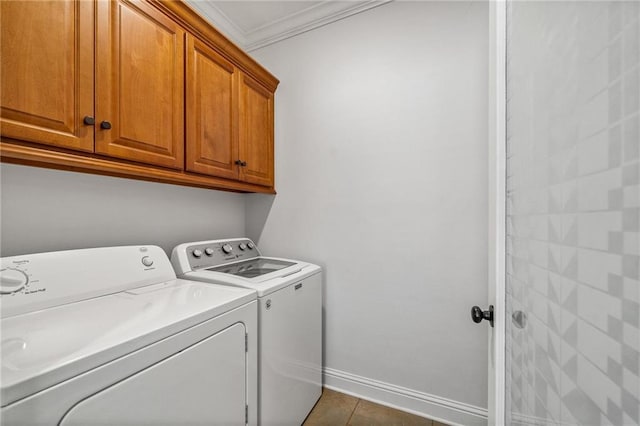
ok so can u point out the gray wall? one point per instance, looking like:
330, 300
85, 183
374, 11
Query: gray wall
47, 210
382, 179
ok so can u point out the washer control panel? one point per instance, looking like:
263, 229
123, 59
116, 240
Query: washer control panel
219, 252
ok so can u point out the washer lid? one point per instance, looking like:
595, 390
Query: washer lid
253, 268
275, 274
43, 348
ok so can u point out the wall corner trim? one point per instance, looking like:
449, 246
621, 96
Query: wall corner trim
409, 400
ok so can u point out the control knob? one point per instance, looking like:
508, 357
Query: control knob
208, 251
250, 245
227, 248
12, 280
197, 253
242, 246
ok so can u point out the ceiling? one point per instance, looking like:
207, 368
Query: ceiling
255, 24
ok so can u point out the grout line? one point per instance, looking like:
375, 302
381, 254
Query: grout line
353, 412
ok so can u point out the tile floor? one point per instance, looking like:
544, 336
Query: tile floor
338, 409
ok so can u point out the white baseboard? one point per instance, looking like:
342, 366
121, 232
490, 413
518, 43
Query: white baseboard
412, 401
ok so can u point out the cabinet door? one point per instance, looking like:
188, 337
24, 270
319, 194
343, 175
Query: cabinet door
211, 112
139, 84
47, 72
256, 132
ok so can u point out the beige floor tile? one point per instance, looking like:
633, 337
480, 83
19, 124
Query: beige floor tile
332, 409
370, 414
413, 420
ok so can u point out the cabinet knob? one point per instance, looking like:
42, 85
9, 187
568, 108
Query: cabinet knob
88, 120
243, 163
240, 163
105, 125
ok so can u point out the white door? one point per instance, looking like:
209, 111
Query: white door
567, 294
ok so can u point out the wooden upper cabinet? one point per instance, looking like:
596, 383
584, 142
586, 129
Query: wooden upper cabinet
229, 119
255, 132
139, 84
135, 88
211, 117
47, 52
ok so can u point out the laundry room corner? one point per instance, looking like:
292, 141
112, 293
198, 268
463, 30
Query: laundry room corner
257, 208
380, 184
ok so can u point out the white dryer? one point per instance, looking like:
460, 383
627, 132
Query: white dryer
110, 336
289, 319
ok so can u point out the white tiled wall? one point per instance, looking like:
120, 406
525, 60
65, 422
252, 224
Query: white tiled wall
573, 82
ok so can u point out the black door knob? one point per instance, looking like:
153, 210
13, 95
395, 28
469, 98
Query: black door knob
88, 120
105, 125
477, 315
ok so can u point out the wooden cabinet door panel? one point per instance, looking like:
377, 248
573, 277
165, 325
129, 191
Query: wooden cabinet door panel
47, 54
256, 132
140, 84
210, 112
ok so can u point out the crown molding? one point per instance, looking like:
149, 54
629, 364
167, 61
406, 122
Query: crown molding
209, 11
299, 22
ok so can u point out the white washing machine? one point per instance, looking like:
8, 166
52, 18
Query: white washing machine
289, 320
109, 336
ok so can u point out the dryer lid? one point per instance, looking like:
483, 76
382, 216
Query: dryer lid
46, 347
